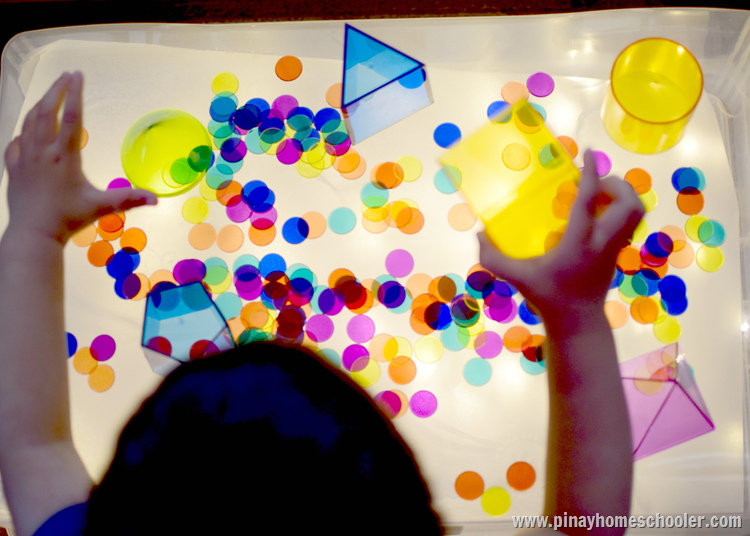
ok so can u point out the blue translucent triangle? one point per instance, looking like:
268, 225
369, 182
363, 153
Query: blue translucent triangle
370, 64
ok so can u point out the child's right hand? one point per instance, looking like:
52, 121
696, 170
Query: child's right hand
570, 282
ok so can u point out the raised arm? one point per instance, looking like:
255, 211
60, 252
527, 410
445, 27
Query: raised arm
49, 199
590, 459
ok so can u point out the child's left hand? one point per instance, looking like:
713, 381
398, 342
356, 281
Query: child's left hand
48, 193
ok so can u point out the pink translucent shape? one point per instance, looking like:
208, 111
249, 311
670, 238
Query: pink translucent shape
664, 403
360, 328
319, 328
423, 404
399, 263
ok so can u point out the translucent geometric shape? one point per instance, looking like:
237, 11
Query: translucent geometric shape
182, 324
664, 403
381, 86
518, 178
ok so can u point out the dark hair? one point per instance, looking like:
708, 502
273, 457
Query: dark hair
265, 438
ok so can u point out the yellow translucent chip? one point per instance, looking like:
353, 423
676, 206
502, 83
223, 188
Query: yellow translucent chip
692, 226
709, 259
650, 200
195, 210
428, 349
641, 232
225, 82
668, 331
411, 166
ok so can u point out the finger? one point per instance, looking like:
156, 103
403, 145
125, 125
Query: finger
46, 118
616, 226
28, 137
70, 129
499, 264
13, 154
120, 200
582, 211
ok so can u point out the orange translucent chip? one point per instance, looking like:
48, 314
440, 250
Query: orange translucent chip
377, 347
469, 485
569, 144
517, 339
559, 210
228, 195
84, 138
100, 253
357, 173
629, 260
416, 225
83, 361
230, 238
316, 223
339, 277
402, 370
254, 315
134, 239
690, 201
102, 378
682, 258
677, 235
202, 236
84, 237
333, 95
616, 313
388, 175
262, 237
639, 179
566, 193
289, 68
443, 288
644, 310
521, 476
348, 162
374, 226
418, 284
111, 223
160, 276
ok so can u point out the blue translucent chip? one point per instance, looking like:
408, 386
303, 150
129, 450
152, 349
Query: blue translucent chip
688, 177
295, 230
272, 263
617, 278
659, 245
645, 282
499, 112
527, 316
122, 264
675, 308
325, 115
72, 344
672, 289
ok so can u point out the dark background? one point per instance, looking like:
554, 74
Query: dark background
18, 16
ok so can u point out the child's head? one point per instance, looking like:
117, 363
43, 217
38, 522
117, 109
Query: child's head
262, 439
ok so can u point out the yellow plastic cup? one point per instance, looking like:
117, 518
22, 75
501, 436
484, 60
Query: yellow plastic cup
518, 178
654, 88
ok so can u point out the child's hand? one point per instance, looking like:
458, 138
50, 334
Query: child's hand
47, 191
571, 281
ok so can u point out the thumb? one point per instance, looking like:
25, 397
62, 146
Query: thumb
120, 200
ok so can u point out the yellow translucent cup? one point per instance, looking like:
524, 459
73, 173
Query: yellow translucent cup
654, 88
518, 178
